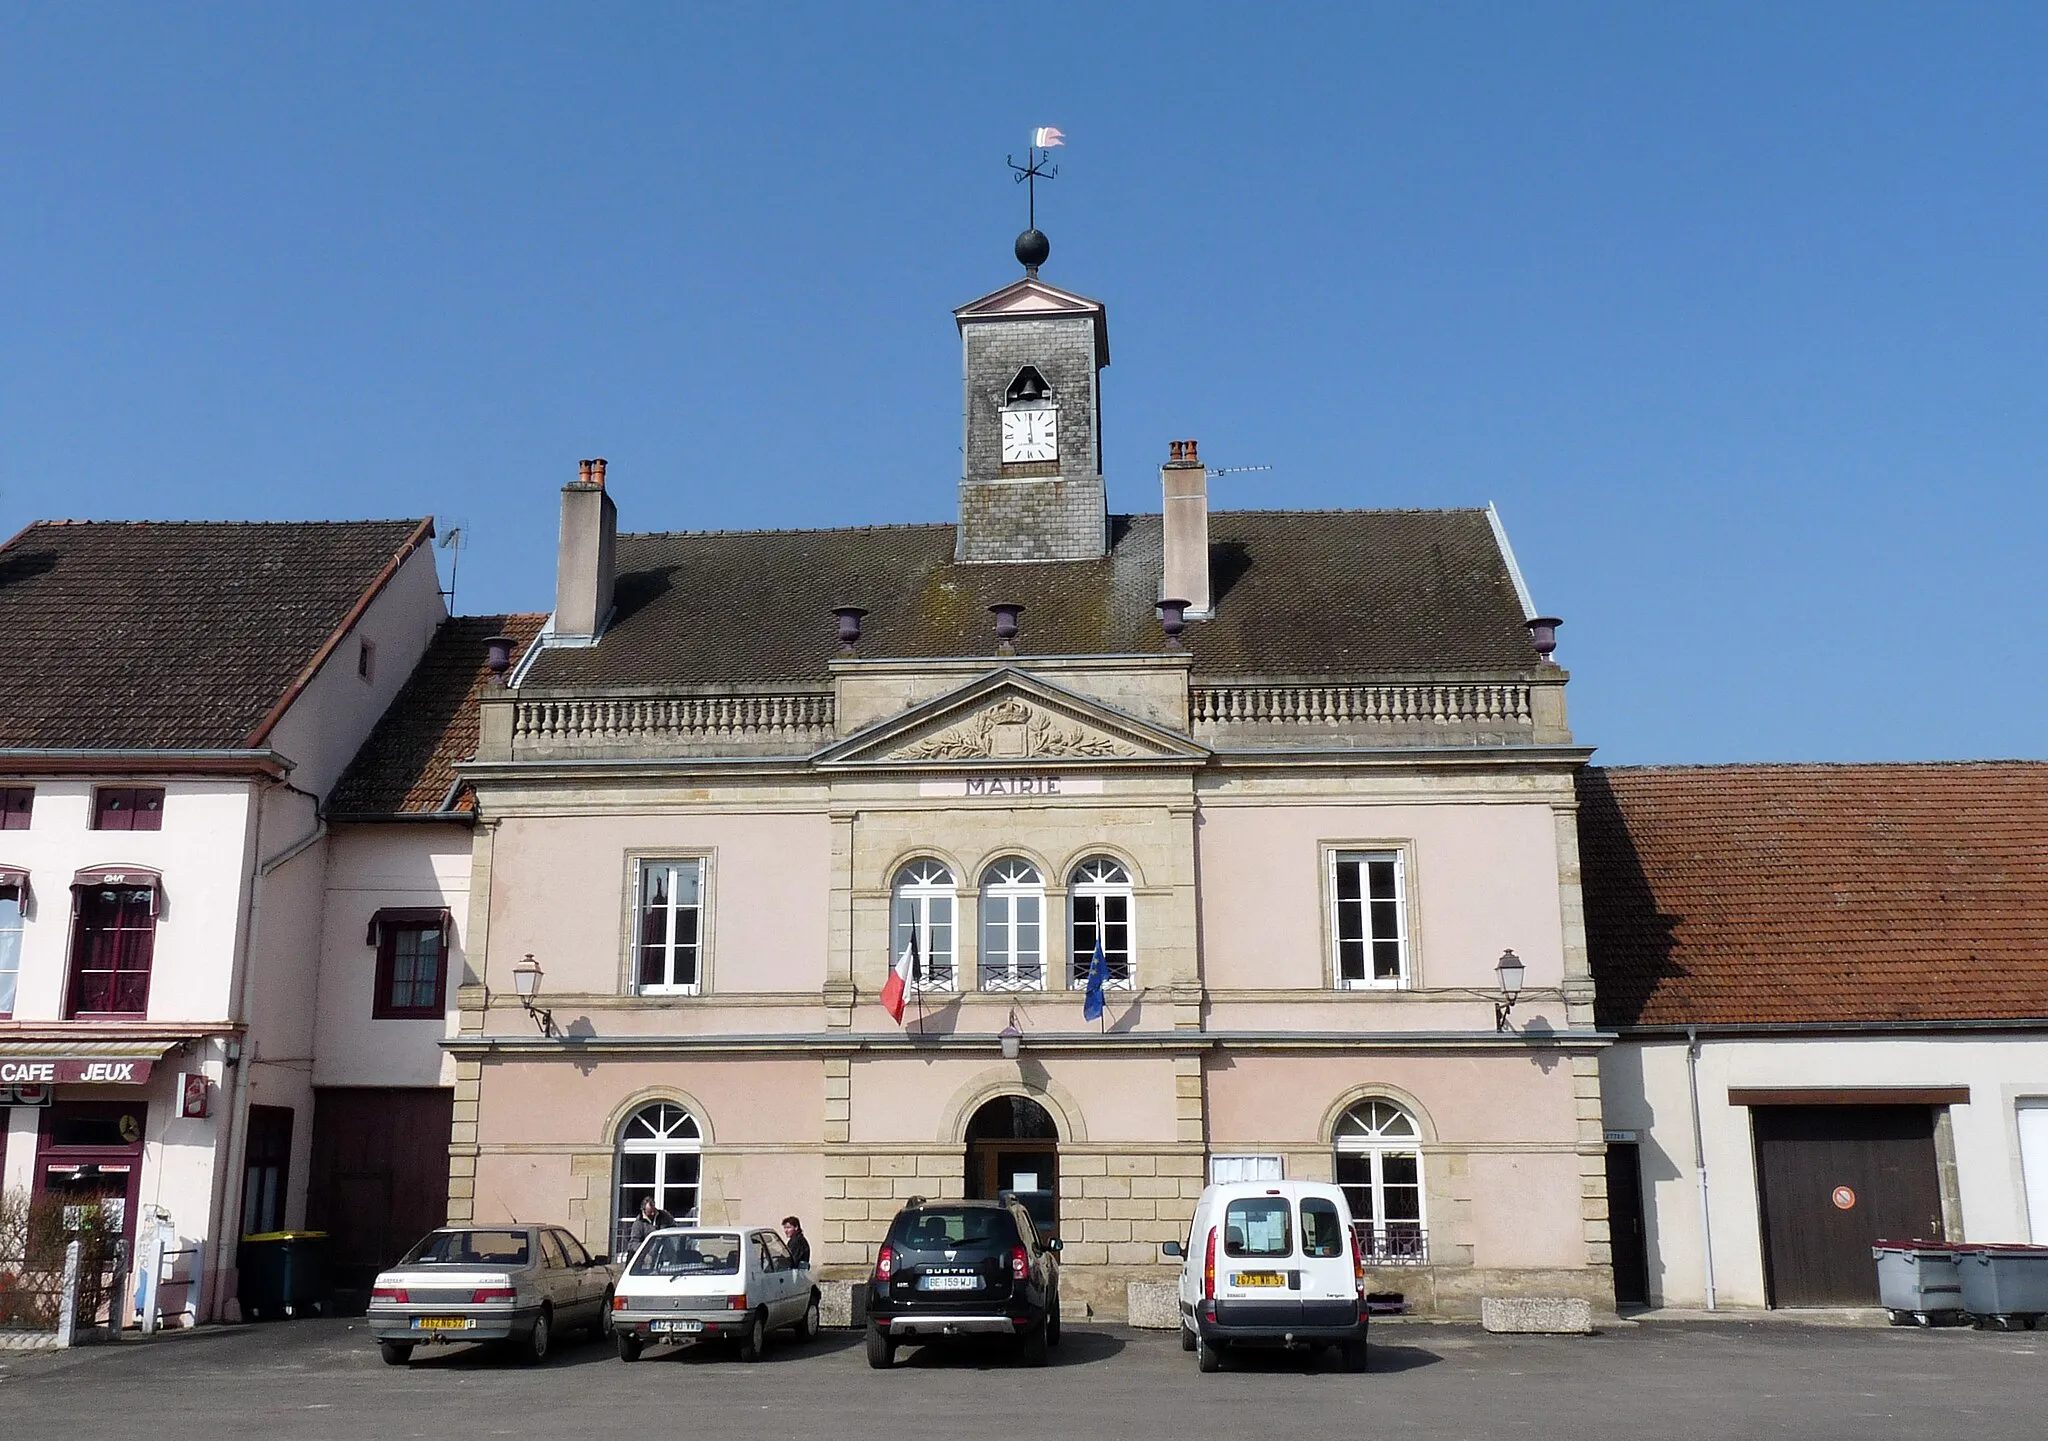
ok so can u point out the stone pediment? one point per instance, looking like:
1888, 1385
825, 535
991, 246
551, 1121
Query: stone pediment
1011, 718
1031, 299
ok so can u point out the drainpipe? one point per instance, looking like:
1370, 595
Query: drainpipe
1699, 1155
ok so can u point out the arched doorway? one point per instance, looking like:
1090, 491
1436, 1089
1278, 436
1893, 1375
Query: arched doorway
1013, 1146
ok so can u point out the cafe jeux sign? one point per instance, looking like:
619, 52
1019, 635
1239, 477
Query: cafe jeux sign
73, 1070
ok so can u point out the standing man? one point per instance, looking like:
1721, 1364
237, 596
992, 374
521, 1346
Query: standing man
793, 1236
651, 1219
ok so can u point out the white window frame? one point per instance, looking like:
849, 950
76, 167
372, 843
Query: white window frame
1010, 895
1226, 1168
1082, 887
643, 869
679, 1135
11, 935
1375, 1147
1363, 857
917, 885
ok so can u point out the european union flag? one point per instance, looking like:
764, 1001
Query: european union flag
1098, 977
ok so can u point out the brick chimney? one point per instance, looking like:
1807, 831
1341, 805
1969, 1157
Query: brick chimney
1184, 481
583, 562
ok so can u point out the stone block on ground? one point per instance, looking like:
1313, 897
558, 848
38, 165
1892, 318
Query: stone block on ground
843, 1304
1536, 1315
1153, 1305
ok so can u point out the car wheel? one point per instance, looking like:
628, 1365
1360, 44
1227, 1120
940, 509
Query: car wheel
881, 1349
1187, 1338
1031, 1346
534, 1350
628, 1344
1052, 1325
755, 1343
395, 1353
602, 1326
812, 1323
1356, 1357
1208, 1354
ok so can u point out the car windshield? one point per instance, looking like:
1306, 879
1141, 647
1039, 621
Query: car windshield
939, 1228
470, 1248
688, 1253
1259, 1226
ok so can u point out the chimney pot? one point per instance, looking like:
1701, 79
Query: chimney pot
583, 472
849, 627
597, 472
1188, 454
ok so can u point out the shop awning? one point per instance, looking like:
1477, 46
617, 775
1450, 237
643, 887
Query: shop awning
35, 1062
134, 878
14, 876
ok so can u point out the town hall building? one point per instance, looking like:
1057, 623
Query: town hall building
1303, 779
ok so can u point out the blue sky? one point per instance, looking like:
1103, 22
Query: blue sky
1739, 313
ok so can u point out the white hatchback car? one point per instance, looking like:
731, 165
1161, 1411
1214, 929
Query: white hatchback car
702, 1283
1271, 1263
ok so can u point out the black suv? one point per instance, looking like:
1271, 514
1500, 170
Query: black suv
964, 1268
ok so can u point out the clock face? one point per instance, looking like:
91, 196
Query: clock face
1031, 433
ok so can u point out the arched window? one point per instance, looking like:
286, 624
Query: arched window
1099, 913
1012, 926
660, 1155
1379, 1165
923, 907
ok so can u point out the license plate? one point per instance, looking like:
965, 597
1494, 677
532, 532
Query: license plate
1258, 1278
949, 1283
442, 1323
688, 1328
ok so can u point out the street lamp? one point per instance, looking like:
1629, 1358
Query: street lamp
1011, 1037
526, 982
1509, 969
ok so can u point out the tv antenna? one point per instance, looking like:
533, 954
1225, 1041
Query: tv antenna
1238, 469
453, 539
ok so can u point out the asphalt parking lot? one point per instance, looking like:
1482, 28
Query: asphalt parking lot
323, 1379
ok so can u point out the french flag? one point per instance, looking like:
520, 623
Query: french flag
898, 986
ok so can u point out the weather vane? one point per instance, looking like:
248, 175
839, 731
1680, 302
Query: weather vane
1032, 246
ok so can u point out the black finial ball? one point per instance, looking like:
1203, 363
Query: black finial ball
1032, 248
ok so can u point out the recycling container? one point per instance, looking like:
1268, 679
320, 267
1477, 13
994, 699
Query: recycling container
1917, 1282
2004, 1286
283, 1273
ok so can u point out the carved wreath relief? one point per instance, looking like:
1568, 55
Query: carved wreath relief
1013, 730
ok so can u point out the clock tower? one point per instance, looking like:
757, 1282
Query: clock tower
1031, 486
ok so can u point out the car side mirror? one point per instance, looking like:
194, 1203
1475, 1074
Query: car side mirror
1052, 1243
1171, 1248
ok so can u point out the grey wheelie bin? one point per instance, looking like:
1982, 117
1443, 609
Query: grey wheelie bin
2004, 1286
1917, 1283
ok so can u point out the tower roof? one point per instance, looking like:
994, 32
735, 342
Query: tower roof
1032, 299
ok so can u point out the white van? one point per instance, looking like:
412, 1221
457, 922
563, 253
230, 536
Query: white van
1271, 1263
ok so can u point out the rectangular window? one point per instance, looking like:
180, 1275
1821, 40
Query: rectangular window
111, 949
16, 802
1370, 923
1223, 1169
366, 660
128, 808
670, 928
10, 946
412, 967
1105, 919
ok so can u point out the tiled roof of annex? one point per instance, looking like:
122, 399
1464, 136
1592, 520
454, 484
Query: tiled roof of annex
1308, 594
175, 635
1803, 894
407, 766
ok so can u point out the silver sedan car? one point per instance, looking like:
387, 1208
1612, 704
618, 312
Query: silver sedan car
515, 1285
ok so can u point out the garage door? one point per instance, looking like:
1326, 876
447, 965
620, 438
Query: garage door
1832, 1180
380, 1174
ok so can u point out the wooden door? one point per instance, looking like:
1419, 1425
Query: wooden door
1625, 1224
379, 1175
1831, 1180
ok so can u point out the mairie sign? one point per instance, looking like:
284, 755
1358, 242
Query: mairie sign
73, 1070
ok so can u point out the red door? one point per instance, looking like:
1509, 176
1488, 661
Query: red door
92, 1151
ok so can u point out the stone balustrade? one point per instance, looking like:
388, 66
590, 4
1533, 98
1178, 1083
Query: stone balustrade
792, 722
1491, 705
